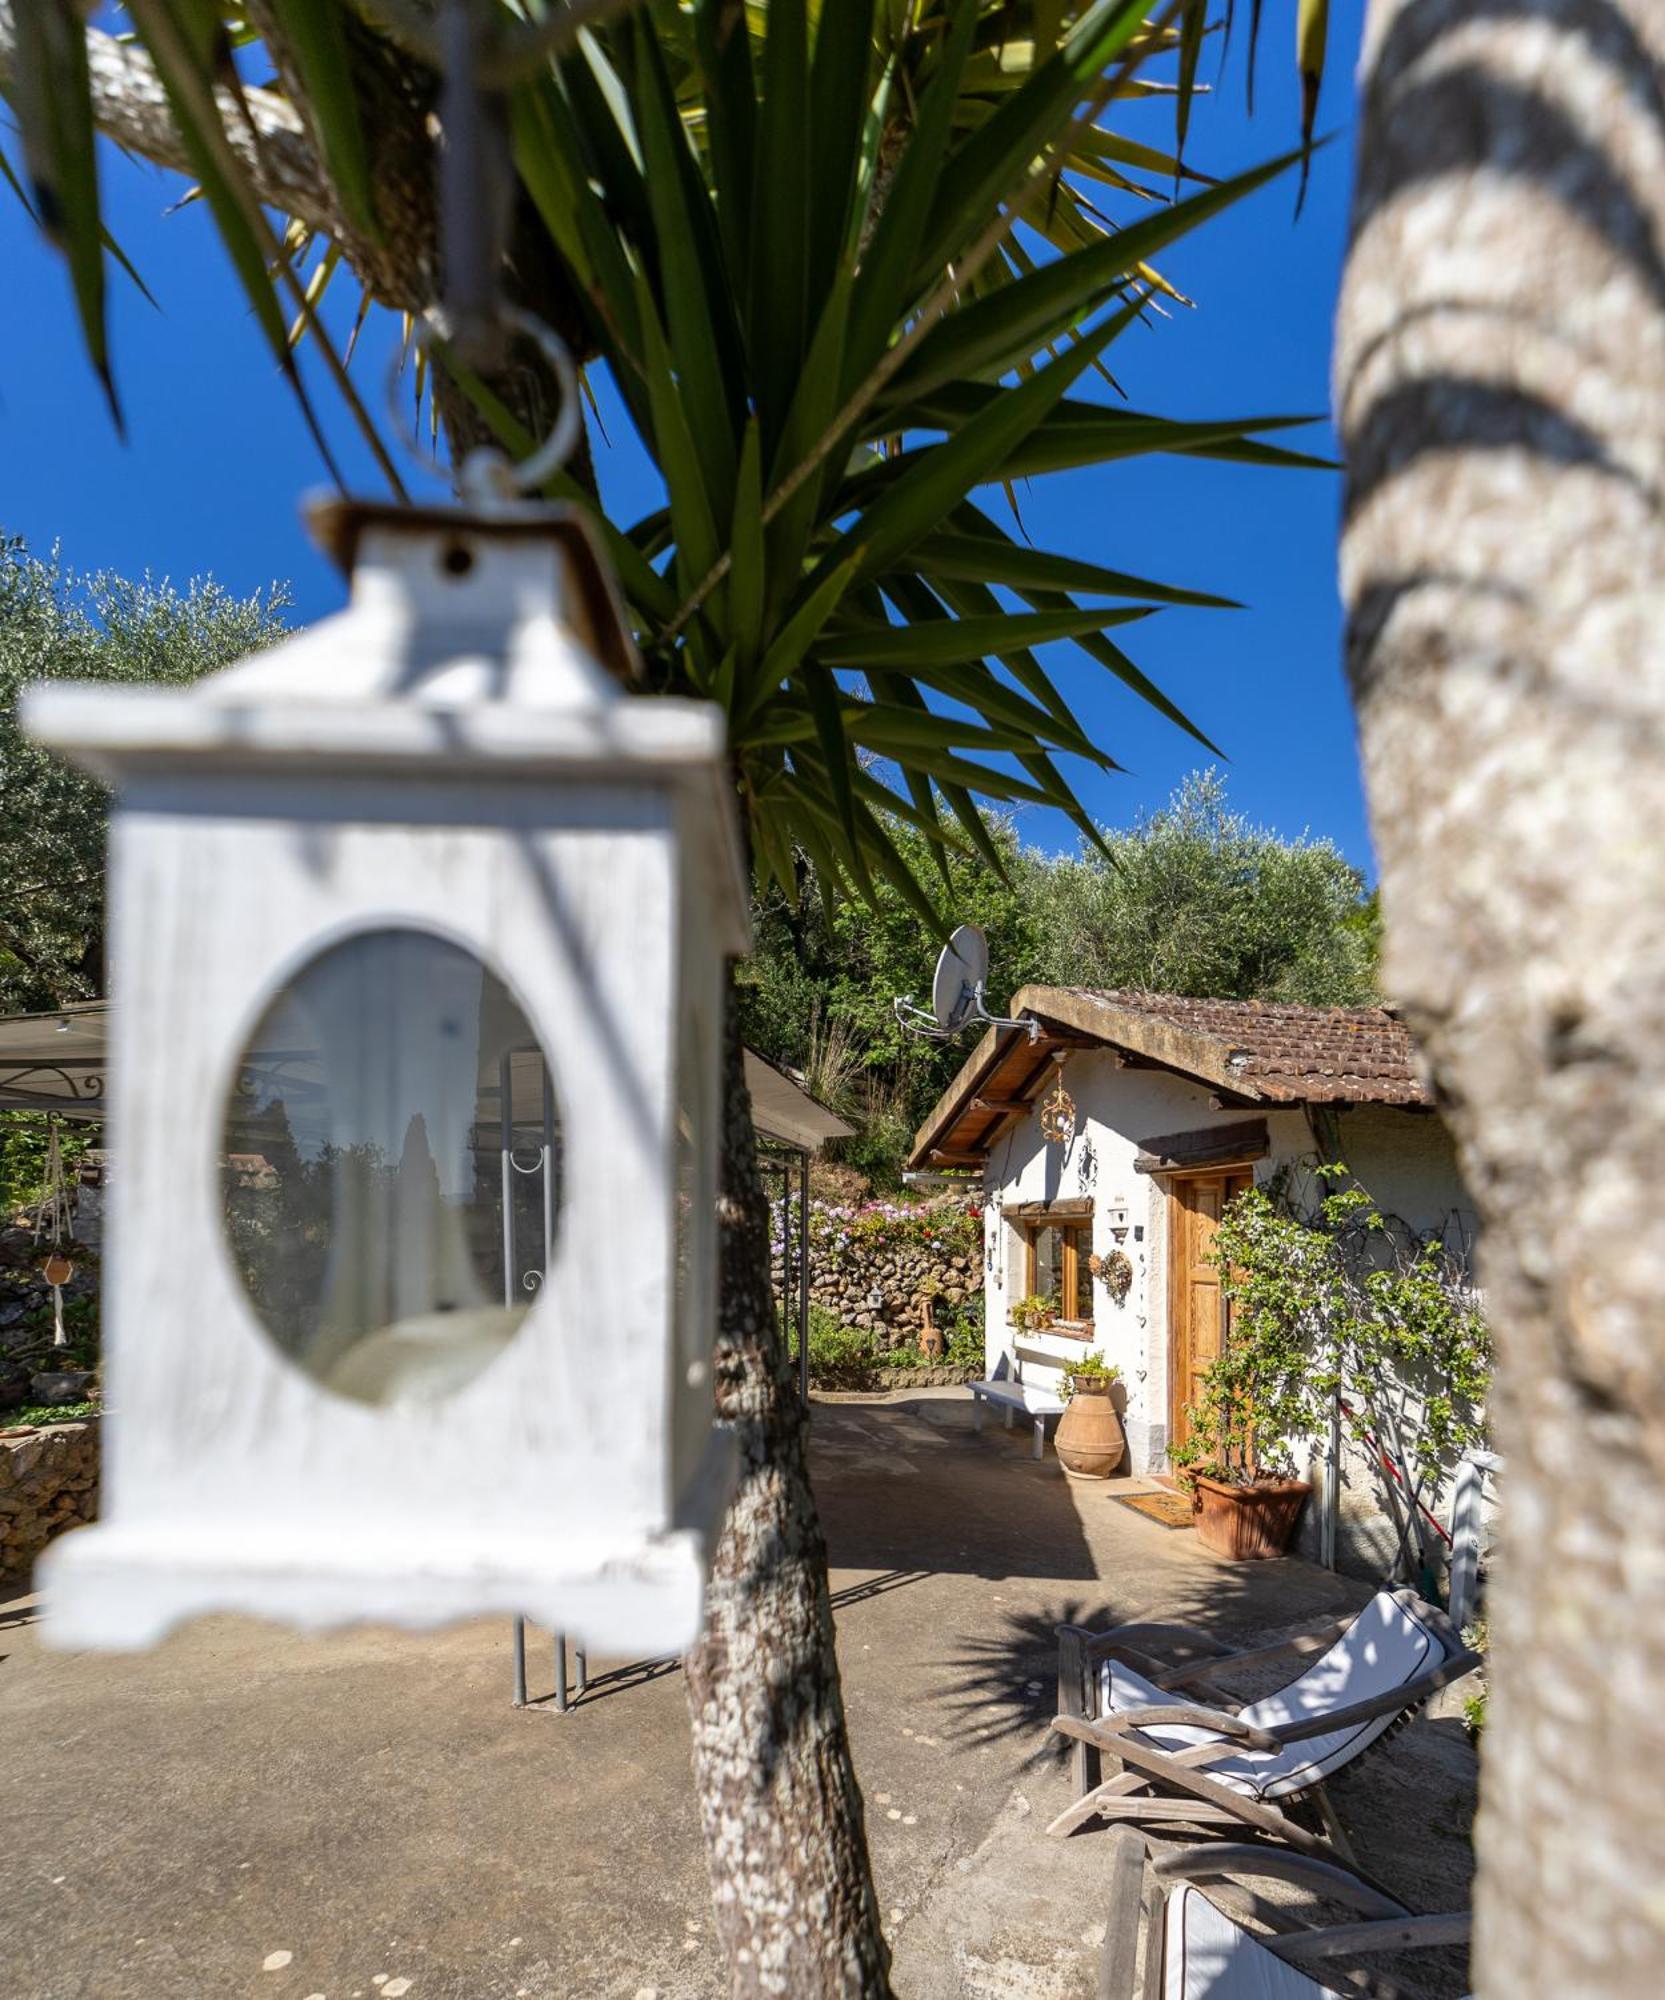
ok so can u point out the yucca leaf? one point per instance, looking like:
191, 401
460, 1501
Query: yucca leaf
964, 808
1070, 440
982, 559
976, 600
993, 161
777, 276
900, 732
692, 513
1102, 145
838, 109
724, 47
691, 277
989, 337
315, 34
881, 850
52, 96
977, 451
747, 576
957, 639
1312, 28
886, 285
181, 41
1193, 20
788, 647
1049, 720
814, 406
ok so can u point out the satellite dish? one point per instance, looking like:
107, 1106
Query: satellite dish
957, 992
962, 967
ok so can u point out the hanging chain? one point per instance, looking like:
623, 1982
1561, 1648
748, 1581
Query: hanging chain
478, 59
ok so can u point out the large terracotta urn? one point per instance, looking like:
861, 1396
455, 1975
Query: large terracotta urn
1090, 1441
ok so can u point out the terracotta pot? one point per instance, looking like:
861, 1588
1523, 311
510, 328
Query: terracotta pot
1090, 1441
1248, 1523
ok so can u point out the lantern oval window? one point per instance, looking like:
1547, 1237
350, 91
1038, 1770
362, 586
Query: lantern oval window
391, 1160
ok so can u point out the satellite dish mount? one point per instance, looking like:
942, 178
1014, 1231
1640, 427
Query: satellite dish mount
957, 999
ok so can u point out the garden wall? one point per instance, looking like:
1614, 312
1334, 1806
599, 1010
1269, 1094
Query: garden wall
875, 1266
48, 1482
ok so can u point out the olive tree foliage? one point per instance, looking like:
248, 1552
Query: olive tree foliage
1193, 900
1196, 899
56, 624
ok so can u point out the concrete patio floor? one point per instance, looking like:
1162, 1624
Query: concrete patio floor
245, 1811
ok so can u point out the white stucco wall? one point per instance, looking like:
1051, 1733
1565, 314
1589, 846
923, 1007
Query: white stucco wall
1405, 1159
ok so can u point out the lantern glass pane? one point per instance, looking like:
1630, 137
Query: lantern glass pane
391, 1167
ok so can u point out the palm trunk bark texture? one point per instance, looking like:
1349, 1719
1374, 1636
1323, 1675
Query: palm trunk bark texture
784, 1826
1500, 377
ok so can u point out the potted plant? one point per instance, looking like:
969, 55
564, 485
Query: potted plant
1249, 1432
1090, 1441
1035, 1313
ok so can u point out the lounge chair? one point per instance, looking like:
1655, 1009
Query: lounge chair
1180, 1759
1194, 1950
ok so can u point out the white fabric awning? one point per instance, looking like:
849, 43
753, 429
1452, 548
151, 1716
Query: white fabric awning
56, 1062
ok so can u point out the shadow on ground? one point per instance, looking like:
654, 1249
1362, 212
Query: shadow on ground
368, 1807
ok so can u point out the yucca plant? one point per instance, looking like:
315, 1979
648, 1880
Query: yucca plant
851, 268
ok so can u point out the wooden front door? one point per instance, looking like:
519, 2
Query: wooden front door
1198, 1316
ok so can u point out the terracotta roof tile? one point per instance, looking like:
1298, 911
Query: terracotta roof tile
1311, 1055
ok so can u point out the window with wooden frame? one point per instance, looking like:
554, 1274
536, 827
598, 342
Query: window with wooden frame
1056, 1249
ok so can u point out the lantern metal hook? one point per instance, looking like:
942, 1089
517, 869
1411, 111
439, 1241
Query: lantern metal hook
487, 476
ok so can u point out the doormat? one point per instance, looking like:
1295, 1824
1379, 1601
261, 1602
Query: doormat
1167, 1510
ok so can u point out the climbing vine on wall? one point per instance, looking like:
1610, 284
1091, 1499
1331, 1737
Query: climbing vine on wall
1345, 1307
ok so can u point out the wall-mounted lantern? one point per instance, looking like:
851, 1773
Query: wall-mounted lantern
1116, 1217
418, 922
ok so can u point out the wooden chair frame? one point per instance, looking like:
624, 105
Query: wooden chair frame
1152, 1785
1139, 1888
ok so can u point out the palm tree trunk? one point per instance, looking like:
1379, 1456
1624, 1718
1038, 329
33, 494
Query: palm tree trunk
784, 1828
1501, 390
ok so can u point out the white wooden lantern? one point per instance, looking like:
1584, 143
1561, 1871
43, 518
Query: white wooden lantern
417, 923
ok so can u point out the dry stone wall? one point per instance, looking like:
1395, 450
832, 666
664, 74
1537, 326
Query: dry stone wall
48, 1482
878, 1265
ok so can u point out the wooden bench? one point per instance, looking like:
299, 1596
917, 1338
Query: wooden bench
1012, 1397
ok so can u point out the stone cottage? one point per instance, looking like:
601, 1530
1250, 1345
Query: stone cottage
1175, 1104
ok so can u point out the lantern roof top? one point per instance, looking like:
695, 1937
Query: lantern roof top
468, 635
476, 642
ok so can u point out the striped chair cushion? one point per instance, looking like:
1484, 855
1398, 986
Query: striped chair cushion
1386, 1646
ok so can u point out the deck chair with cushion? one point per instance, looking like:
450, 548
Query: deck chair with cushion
1180, 1758
1194, 1950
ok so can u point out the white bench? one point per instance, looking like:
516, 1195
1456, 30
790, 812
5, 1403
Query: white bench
1012, 1397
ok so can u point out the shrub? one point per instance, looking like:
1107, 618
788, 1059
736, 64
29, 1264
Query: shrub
1335, 1306
1094, 1368
840, 1357
964, 1345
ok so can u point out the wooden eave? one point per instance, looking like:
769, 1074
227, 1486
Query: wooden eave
999, 1081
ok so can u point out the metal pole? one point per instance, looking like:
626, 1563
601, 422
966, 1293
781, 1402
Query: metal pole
1467, 1523
583, 1675
561, 1673
785, 1244
520, 1663
1332, 1485
506, 1139
548, 1167
803, 1279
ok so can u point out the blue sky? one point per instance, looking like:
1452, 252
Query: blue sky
217, 456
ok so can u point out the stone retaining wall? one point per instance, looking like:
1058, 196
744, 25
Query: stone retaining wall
48, 1482
876, 1267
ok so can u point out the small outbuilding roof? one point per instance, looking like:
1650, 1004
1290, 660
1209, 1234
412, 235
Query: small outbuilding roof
1249, 1052
57, 1061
